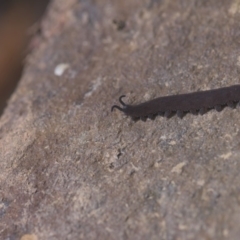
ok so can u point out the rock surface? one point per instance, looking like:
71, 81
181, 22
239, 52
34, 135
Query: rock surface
71, 169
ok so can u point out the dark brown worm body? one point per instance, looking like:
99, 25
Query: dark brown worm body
196, 102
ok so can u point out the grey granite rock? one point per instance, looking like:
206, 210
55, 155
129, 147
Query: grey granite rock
71, 169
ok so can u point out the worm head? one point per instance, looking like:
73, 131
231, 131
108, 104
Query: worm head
123, 104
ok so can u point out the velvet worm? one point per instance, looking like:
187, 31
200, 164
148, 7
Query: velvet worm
195, 103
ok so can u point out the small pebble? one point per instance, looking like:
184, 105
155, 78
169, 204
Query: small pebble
60, 69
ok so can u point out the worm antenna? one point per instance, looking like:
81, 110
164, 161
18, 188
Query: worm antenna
121, 101
117, 107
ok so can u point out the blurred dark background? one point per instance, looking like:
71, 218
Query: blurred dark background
18, 23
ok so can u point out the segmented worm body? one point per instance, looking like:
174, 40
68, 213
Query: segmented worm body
195, 103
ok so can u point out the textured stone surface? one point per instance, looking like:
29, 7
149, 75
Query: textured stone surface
71, 169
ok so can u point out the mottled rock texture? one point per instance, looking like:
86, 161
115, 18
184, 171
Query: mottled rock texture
71, 169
